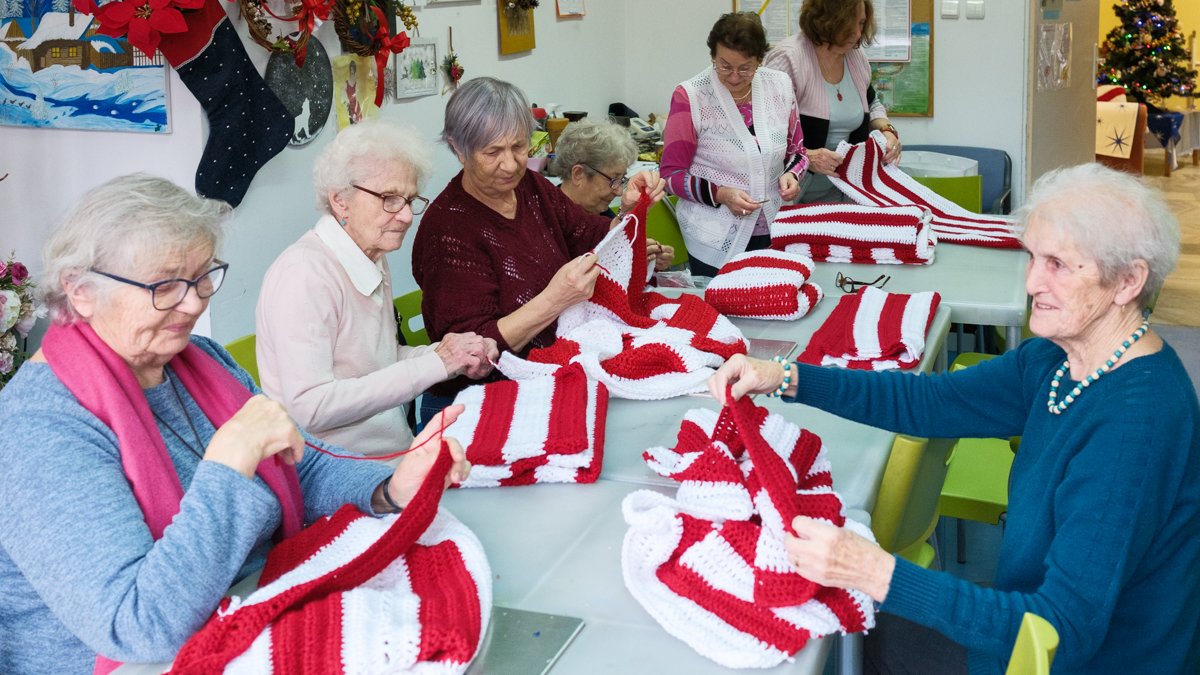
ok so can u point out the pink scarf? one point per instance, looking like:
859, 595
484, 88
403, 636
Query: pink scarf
105, 385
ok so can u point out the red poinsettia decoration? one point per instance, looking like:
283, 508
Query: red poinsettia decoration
142, 22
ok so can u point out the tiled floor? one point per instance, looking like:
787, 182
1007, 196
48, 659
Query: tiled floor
1179, 303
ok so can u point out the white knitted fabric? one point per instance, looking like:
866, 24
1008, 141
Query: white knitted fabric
765, 285
864, 178
710, 564
874, 330
850, 233
547, 429
639, 345
728, 155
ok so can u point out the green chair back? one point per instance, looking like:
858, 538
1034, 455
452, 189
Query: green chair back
1037, 642
977, 470
242, 351
662, 226
902, 521
966, 191
408, 308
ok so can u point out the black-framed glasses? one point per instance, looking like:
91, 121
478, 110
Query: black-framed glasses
168, 293
395, 203
849, 285
615, 184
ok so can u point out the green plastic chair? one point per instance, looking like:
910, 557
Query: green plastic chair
1034, 650
242, 351
898, 503
408, 307
966, 191
977, 471
662, 226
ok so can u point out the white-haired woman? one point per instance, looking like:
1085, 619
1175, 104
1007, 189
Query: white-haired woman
141, 470
501, 251
1103, 531
327, 342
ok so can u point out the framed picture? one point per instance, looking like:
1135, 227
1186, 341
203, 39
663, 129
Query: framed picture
417, 69
516, 28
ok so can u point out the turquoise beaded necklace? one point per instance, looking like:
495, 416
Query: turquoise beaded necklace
1056, 407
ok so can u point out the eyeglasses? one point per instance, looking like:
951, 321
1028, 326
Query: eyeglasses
849, 285
726, 70
396, 203
616, 184
168, 293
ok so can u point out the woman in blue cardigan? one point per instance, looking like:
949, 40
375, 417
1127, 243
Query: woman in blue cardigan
1103, 529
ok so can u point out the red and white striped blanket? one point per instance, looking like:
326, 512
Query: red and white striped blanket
764, 285
874, 330
849, 233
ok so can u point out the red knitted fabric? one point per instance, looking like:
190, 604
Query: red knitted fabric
332, 598
874, 330
865, 178
764, 285
849, 233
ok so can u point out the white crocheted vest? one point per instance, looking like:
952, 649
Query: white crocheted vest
729, 156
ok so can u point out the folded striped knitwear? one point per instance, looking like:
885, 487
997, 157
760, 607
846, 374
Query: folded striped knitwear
864, 178
351, 593
710, 564
874, 330
850, 233
764, 285
547, 429
640, 345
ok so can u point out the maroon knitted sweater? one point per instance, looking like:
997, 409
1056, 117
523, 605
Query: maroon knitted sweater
475, 266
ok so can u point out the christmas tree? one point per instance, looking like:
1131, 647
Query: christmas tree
1146, 53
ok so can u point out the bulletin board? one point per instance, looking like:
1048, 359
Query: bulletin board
906, 88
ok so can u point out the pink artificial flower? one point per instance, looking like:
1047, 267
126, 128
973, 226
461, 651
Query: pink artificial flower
3, 268
6, 362
19, 273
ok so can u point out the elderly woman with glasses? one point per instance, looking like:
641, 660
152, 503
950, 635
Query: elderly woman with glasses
143, 473
832, 82
732, 148
501, 251
327, 339
1103, 531
591, 159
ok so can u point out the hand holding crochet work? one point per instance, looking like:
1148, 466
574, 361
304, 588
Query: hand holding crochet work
415, 466
643, 181
261, 429
660, 254
743, 375
738, 201
837, 557
572, 283
824, 161
467, 353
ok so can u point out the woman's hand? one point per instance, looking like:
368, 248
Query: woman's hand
467, 353
892, 150
650, 181
789, 186
573, 282
836, 557
737, 201
660, 254
414, 466
747, 376
261, 429
824, 161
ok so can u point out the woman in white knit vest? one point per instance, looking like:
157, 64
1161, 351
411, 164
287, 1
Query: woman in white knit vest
733, 147
832, 82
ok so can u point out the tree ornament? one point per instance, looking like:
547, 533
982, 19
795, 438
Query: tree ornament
451, 67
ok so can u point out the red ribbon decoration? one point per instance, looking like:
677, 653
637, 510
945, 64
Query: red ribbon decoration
387, 46
307, 15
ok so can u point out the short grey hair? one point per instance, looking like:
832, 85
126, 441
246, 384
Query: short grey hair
600, 144
362, 150
117, 226
483, 110
1111, 217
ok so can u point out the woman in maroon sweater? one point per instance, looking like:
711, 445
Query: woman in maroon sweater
501, 251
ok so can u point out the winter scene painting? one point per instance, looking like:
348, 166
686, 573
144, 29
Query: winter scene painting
57, 72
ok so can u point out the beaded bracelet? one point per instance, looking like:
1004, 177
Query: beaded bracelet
787, 376
387, 497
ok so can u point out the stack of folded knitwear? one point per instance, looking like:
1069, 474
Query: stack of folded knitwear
874, 330
851, 233
764, 285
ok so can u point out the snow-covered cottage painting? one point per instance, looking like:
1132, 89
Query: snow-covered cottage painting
56, 71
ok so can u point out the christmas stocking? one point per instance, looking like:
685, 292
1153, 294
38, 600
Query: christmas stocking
247, 125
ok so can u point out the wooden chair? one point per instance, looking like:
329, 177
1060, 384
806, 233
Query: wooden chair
408, 308
1037, 642
242, 351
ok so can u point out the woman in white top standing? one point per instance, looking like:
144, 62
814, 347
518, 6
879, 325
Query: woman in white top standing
832, 81
733, 147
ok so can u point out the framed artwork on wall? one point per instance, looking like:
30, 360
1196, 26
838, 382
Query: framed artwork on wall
516, 26
417, 69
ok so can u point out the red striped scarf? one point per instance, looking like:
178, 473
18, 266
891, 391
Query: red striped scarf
849, 233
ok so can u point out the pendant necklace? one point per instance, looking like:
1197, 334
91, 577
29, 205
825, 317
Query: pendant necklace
838, 89
183, 409
1056, 407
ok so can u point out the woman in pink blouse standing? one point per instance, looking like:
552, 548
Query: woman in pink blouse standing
733, 149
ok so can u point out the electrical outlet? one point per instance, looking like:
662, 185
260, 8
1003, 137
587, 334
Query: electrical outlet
975, 9
949, 9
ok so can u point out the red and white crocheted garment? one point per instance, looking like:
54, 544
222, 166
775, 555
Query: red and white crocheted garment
864, 177
640, 345
764, 285
849, 233
710, 564
351, 593
541, 430
874, 330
